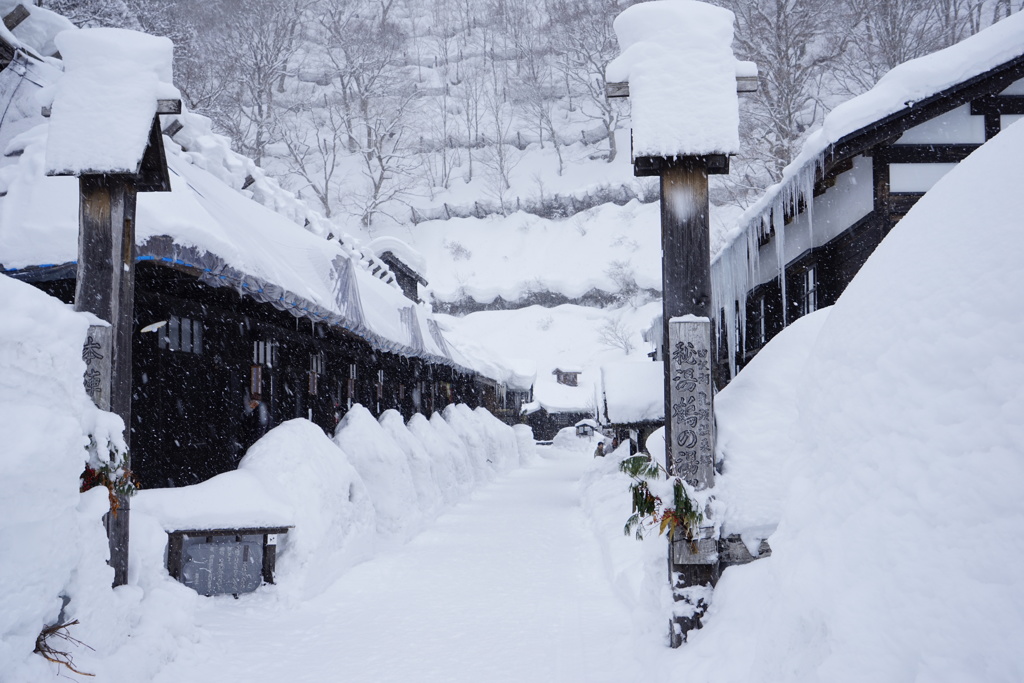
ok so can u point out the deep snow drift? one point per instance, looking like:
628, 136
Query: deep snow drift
890, 560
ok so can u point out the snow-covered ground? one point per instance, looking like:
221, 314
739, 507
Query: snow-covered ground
507, 586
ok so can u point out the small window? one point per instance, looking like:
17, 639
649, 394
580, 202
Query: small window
316, 363
762, 323
182, 334
810, 291
265, 353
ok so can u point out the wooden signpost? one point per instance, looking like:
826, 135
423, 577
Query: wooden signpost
105, 286
678, 59
113, 164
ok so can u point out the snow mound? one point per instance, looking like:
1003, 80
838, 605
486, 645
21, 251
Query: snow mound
526, 443
384, 469
335, 521
429, 495
756, 415
567, 440
463, 424
45, 419
891, 561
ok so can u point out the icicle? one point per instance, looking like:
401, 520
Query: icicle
779, 225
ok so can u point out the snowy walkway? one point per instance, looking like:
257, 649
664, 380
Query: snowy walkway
507, 586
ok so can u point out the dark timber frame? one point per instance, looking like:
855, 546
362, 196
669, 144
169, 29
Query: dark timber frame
838, 261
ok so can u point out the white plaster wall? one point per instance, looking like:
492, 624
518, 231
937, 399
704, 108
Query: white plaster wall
916, 177
1008, 119
1015, 88
953, 127
849, 200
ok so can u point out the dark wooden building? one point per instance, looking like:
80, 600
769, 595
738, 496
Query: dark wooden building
875, 157
242, 319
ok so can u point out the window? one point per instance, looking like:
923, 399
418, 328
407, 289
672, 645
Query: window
762, 324
352, 375
809, 296
182, 334
265, 353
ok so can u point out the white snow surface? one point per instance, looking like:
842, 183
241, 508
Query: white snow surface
756, 417
633, 392
908, 464
677, 57
52, 538
104, 104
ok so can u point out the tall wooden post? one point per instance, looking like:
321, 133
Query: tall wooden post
105, 287
687, 314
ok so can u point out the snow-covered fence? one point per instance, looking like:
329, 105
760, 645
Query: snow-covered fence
552, 206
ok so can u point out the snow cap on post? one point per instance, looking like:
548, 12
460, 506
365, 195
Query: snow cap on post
104, 104
677, 58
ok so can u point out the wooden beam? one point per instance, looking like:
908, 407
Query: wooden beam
923, 154
998, 104
713, 164
744, 84
15, 17
162, 107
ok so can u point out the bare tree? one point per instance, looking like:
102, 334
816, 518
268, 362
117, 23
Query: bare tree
315, 138
375, 98
615, 334
500, 157
585, 42
794, 43
258, 44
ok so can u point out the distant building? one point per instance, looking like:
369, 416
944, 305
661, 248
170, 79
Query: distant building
570, 377
633, 400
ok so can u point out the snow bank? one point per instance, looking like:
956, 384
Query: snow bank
567, 440
429, 495
383, 467
636, 569
334, 514
526, 444
463, 424
677, 57
376, 481
891, 560
500, 441
756, 415
52, 538
447, 462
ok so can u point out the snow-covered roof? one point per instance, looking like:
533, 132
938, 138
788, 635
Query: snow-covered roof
587, 423
36, 33
634, 392
899, 93
677, 57
104, 105
401, 250
207, 223
562, 398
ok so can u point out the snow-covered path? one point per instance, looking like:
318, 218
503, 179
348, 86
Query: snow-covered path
507, 586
